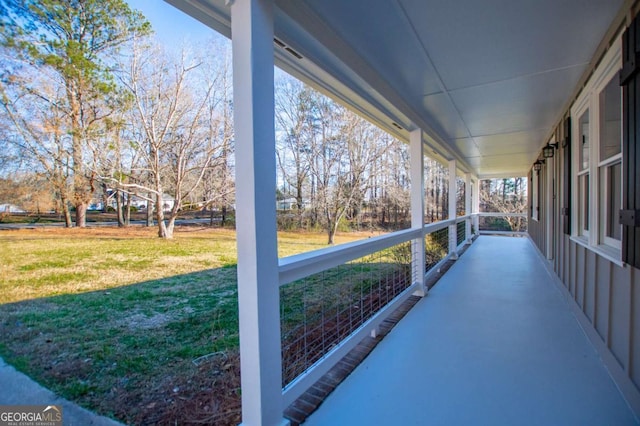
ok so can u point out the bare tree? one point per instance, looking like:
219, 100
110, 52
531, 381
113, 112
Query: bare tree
39, 133
505, 196
218, 183
182, 135
390, 187
341, 150
335, 162
294, 117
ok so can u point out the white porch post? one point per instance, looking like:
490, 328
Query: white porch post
258, 292
468, 191
417, 209
453, 229
476, 206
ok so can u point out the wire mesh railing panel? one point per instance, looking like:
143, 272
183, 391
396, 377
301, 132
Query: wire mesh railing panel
318, 312
436, 247
461, 230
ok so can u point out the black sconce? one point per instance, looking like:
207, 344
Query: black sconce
538, 165
547, 151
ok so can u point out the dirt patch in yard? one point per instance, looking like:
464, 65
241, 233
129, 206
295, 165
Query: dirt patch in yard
209, 395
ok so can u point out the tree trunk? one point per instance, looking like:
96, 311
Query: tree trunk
105, 198
331, 232
149, 222
127, 212
81, 191
170, 227
437, 199
119, 209
81, 214
65, 212
162, 227
223, 221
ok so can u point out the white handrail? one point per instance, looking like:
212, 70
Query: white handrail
436, 226
496, 214
304, 264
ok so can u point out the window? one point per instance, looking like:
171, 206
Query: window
597, 162
610, 163
583, 174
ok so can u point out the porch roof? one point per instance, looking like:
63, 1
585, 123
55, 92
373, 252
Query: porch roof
487, 81
493, 343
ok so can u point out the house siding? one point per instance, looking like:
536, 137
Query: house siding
601, 292
603, 298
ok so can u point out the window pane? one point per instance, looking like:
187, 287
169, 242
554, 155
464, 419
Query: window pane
614, 175
610, 115
583, 148
586, 202
583, 214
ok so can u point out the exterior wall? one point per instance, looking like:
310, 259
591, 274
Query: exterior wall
603, 296
536, 227
605, 300
601, 292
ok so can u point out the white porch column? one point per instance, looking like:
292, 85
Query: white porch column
258, 292
417, 208
469, 189
453, 229
476, 206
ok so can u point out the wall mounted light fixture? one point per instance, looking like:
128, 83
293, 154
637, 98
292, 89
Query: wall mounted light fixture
538, 165
548, 150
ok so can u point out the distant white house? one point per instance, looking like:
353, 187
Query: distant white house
290, 204
138, 202
10, 208
141, 204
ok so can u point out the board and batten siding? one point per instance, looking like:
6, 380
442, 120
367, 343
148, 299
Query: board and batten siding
606, 299
604, 294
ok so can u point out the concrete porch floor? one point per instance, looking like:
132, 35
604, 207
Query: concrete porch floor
494, 343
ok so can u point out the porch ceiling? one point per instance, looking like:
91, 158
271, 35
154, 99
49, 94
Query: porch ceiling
486, 80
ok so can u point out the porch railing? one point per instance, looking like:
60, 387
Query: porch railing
503, 223
330, 299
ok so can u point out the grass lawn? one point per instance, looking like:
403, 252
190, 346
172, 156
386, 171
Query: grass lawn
126, 324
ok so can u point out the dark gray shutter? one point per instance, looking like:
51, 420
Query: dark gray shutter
630, 213
566, 177
530, 197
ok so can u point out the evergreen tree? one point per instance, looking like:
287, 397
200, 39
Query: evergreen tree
75, 41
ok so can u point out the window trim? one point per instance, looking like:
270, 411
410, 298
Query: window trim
589, 101
584, 106
604, 202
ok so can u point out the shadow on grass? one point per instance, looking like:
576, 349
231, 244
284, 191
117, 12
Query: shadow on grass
166, 351
147, 353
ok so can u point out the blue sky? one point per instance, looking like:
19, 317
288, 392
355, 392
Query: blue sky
171, 25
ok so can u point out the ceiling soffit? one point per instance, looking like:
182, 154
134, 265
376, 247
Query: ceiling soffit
473, 75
